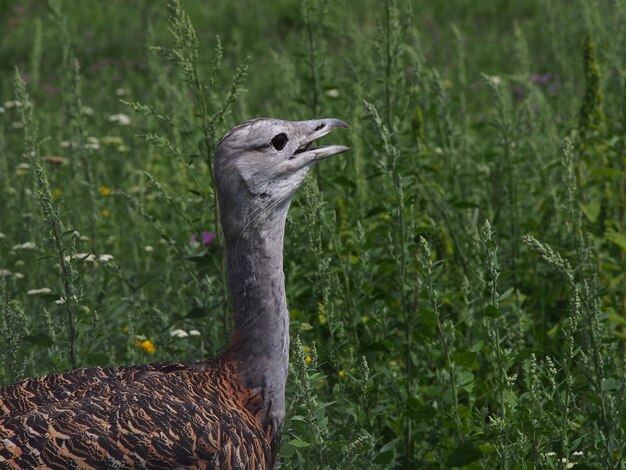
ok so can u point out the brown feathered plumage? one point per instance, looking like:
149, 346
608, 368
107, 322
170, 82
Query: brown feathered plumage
158, 416
225, 413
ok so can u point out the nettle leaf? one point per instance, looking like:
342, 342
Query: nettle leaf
464, 454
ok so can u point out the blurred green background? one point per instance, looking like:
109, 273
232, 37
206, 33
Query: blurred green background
432, 331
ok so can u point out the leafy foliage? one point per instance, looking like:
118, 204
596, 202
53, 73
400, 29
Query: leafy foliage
456, 282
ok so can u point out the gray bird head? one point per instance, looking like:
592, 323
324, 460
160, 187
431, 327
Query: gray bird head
260, 164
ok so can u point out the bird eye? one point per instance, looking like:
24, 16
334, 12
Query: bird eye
279, 141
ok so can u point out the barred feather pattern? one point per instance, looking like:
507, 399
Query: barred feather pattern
153, 416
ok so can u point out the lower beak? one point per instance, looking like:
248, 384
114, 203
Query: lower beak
320, 153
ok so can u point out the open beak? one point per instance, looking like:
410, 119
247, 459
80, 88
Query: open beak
319, 128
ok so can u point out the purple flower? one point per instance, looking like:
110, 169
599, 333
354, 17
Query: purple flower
540, 79
51, 90
207, 238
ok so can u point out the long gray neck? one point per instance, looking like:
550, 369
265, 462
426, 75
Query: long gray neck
260, 339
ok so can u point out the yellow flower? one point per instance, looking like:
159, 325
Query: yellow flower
125, 329
57, 193
342, 373
306, 348
105, 191
147, 346
308, 359
106, 213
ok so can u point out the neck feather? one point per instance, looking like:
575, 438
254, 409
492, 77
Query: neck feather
260, 339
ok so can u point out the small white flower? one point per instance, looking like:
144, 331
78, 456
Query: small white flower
60, 301
86, 257
332, 93
43, 290
66, 144
148, 248
2, 110
495, 80
121, 92
194, 333
13, 104
578, 453
93, 143
550, 454
25, 246
18, 275
2, 235
179, 333
5, 273
121, 119
105, 258
87, 111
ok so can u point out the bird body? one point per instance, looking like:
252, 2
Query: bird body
224, 413
153, 416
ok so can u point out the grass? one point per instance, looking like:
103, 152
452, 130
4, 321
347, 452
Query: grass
455, 283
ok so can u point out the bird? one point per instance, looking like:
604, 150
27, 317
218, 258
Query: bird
221, 413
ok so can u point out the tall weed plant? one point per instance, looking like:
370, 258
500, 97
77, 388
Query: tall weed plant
456, 283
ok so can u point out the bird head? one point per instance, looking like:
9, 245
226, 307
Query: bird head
262, 162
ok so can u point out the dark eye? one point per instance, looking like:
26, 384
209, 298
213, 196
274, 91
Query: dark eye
279, 141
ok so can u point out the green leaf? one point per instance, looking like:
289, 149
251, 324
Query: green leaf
617, 319
507, 294
491, 311
464, 454
610, 385
466, 380
297, 442
465, 358
591, 210
618, 239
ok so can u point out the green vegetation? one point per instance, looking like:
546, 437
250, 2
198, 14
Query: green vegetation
456, 283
